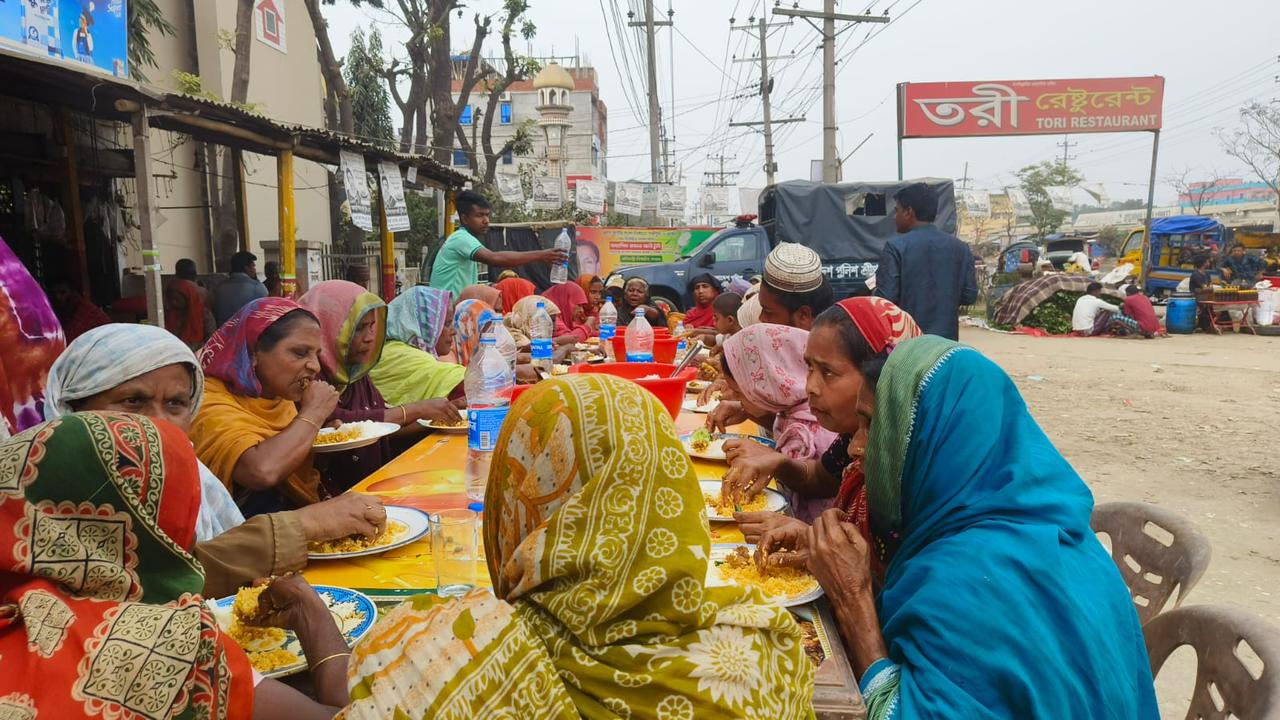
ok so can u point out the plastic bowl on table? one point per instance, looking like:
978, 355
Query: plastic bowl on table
664, 349
669, 390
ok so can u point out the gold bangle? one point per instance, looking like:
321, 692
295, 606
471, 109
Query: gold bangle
309, 421
327, 659
404, 416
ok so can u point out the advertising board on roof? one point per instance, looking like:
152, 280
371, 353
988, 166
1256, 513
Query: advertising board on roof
92, 34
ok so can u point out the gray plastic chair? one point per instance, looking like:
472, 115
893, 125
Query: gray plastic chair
1229, 681
1156, 551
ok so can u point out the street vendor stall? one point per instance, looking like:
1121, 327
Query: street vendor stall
429, 477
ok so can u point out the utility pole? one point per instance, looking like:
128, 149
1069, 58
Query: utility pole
655, 162
829, 16
1066, 146
964, 181
770, 167
721, 178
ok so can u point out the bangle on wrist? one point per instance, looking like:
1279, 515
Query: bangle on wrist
404, 416
309, 421
328, 658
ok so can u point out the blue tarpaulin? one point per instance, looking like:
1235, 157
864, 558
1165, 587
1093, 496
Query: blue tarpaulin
1183, 225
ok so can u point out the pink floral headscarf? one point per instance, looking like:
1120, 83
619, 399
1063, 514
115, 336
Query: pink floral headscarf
767, 362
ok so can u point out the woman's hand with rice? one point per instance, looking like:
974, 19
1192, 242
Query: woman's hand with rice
348, 514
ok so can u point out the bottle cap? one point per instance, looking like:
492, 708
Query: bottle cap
488, 340
476, 507
541, 305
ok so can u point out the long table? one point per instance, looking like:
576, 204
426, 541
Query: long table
429, 477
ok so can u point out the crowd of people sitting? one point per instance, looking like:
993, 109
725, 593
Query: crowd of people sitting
951, 538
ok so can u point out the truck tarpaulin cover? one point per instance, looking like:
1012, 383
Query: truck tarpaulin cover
1183, 225
520, 238
849, 221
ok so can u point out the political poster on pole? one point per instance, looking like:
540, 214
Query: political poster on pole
393, 197
671, 201
715, 201
649, 197
548, 193
628, 198
590, 195
977, 203
1018, 201
509, 187
1060, 196
356, 185
749, 200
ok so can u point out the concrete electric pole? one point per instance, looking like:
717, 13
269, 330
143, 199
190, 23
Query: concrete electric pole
650, 34
829, 16
770, 167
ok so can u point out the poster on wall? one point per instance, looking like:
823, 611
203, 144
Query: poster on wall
509, 187
590, 195
548, 193
356, 185
93, 33
628, 198
671, 200
612, 248
715, 201
393, 197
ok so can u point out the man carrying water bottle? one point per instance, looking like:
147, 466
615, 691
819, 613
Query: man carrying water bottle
455, 266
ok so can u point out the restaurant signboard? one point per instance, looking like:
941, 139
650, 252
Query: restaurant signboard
1030, 107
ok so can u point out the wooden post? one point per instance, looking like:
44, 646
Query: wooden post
146, 222
242, 200
1151, 199
288, 224
388, 249
449, 209
71, 199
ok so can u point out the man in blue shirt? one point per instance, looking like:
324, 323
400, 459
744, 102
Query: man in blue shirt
1241, 268
239, 289
925, 271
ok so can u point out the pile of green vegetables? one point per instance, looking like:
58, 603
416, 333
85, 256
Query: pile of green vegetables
1054, 314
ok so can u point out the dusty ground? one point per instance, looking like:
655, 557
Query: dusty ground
1190, 423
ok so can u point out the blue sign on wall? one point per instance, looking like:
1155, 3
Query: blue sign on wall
87, 32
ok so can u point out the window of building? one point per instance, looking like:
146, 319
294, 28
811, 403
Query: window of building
459, 157
507, 157
504, 114
465, 117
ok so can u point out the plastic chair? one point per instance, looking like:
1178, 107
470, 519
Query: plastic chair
1232, 680
1156, 551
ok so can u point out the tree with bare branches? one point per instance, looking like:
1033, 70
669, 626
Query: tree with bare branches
1256, 143
1195, 186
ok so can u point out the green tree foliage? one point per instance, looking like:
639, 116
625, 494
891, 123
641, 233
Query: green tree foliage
1035, 178
370, 101
144, 16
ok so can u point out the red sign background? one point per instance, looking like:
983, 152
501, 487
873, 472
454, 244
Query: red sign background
1030, 107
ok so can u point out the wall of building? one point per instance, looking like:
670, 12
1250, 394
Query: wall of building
286, 86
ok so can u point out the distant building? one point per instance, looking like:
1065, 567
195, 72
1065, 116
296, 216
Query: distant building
1220, 194
582, 153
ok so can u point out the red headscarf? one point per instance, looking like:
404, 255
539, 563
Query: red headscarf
513, 291
228, 355
702, 316
567, 296
184, 311
881, 323
585, 282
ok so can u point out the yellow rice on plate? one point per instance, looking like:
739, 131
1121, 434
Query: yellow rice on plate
740, 568
343, 434
718, 508
355, 543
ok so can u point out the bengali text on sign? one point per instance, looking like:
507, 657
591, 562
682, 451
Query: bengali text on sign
1030, 107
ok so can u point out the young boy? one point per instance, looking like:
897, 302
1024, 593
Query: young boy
455, 266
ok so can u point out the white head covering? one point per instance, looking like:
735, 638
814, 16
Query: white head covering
794, 268
749, 311
112, 355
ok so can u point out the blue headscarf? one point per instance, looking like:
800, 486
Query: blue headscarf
418, 316
999, 600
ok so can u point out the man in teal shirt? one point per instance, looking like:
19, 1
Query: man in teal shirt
455, 266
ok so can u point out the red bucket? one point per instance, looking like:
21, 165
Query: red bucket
664, 349
669, 390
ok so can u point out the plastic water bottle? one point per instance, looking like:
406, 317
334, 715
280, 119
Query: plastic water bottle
608, 328
681, 345
639, 339
541, 327
560, 271
505, 343
487, 382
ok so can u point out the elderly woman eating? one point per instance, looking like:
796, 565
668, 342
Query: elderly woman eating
419, 332
264, 405
597, 549
143, 369
764, 369
961, 566
122, 631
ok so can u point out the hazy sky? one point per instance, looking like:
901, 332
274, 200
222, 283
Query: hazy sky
1214, 57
